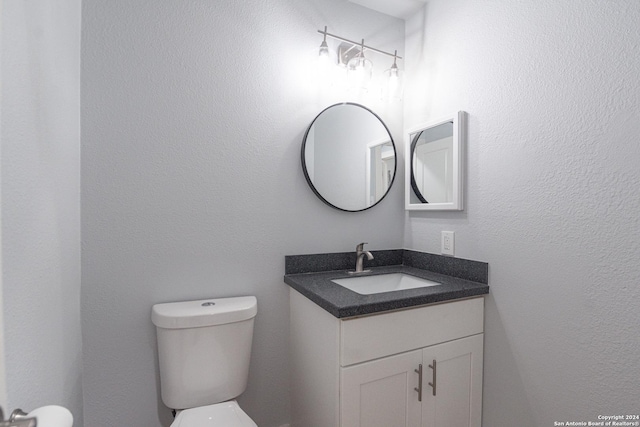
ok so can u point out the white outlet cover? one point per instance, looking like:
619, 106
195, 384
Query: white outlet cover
448, 243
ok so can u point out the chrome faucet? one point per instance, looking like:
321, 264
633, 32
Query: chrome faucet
360, 253
18, 418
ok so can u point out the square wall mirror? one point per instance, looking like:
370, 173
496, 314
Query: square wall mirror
434, 164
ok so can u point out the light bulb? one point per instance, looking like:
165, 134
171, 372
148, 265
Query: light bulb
323, 52
394, 82
324, 55
359, 71
325, 64
394, 72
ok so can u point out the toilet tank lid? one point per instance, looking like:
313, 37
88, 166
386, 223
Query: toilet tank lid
207, 312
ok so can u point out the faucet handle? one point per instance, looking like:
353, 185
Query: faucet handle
360, 246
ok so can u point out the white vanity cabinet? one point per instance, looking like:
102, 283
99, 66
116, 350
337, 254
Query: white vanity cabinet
385, 392
364, 371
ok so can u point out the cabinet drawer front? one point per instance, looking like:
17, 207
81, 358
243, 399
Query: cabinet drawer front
371, 337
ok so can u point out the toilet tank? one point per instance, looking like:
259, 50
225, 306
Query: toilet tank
204, 348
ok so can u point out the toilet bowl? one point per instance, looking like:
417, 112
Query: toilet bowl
204, 348
226, 414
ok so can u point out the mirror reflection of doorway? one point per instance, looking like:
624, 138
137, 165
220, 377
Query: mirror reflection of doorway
432, 170
432, 164
380, 169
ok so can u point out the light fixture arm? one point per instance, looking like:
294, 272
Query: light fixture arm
362, 45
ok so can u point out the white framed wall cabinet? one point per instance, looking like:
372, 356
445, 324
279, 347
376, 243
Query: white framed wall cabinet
434, 164
418, 367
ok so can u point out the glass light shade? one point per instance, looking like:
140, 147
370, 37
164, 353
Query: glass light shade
323, 53
394, 72
359, 71
394, 82
325, 64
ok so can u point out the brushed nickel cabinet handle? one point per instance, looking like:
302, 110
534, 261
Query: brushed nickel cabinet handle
419, 389
433, 384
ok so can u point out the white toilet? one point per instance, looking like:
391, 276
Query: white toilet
204, 349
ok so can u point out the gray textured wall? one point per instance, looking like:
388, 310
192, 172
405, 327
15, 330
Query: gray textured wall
553, 98
193, 115
192, 188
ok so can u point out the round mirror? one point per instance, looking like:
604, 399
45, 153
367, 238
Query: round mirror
348, 157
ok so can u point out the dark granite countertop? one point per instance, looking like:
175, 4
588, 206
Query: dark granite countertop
342, 302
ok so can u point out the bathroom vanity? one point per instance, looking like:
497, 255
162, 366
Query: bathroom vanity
404, 358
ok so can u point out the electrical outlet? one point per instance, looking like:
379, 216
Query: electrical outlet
448, 243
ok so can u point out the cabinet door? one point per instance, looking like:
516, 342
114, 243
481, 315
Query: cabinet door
456, 376
381, 393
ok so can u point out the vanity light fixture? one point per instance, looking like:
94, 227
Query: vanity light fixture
351, 56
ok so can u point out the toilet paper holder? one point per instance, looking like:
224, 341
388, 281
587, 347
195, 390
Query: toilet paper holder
18, 418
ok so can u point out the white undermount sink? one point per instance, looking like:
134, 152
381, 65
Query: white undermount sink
367, 285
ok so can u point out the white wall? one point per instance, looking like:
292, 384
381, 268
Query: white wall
193, 115
41, 203
553, 97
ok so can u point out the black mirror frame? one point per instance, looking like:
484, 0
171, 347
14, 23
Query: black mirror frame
304, 164
414, 184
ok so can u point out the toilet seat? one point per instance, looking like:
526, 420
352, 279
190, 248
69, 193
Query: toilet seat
227, 414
